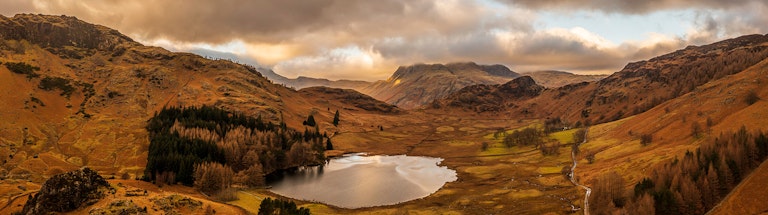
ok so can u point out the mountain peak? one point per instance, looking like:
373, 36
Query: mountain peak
454, 68
419, 84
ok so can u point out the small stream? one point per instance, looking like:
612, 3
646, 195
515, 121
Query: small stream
572, 176
356, 180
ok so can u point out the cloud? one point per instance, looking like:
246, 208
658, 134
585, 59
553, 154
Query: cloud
710, 26
11, 7
629, 6
369, 39
346, 63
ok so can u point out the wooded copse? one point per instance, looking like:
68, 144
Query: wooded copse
196, 145
693, 184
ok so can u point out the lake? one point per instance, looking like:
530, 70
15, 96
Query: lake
356, 180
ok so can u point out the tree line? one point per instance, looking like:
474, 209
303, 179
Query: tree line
213, 149
532, 137
691, 185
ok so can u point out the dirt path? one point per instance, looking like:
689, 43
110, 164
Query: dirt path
572, 175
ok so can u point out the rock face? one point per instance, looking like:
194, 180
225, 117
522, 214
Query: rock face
67, 192
60, 31
414, 86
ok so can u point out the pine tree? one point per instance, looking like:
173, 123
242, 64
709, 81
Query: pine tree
714, 182
336, 119
328, 144
310, 121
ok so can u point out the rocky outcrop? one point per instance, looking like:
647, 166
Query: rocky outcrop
66, 192
489, 98
521, 87
60, 31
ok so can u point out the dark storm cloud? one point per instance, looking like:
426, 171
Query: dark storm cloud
265, 21
369, 39
218, 21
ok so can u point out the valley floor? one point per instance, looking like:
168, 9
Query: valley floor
499, 180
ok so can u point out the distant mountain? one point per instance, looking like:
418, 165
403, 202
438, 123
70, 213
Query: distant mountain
554, 79
414, 86
638, 87
304, 82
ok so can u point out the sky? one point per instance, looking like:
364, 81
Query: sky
369, 40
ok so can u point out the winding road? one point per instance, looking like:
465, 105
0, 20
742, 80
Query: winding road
572, 175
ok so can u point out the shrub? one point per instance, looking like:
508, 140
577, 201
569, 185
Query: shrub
553, 125
269, 206
645, 139
125, 176
23, 68
591, 157
566, 171
552, 149
695, 129
579, 136
751, 97
36, 100
52, 83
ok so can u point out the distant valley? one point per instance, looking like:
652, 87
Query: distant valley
432, 81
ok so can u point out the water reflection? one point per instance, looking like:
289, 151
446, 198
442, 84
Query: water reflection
355, 181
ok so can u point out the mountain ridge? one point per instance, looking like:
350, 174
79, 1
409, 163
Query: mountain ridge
555, 79
640, 85
302, 82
